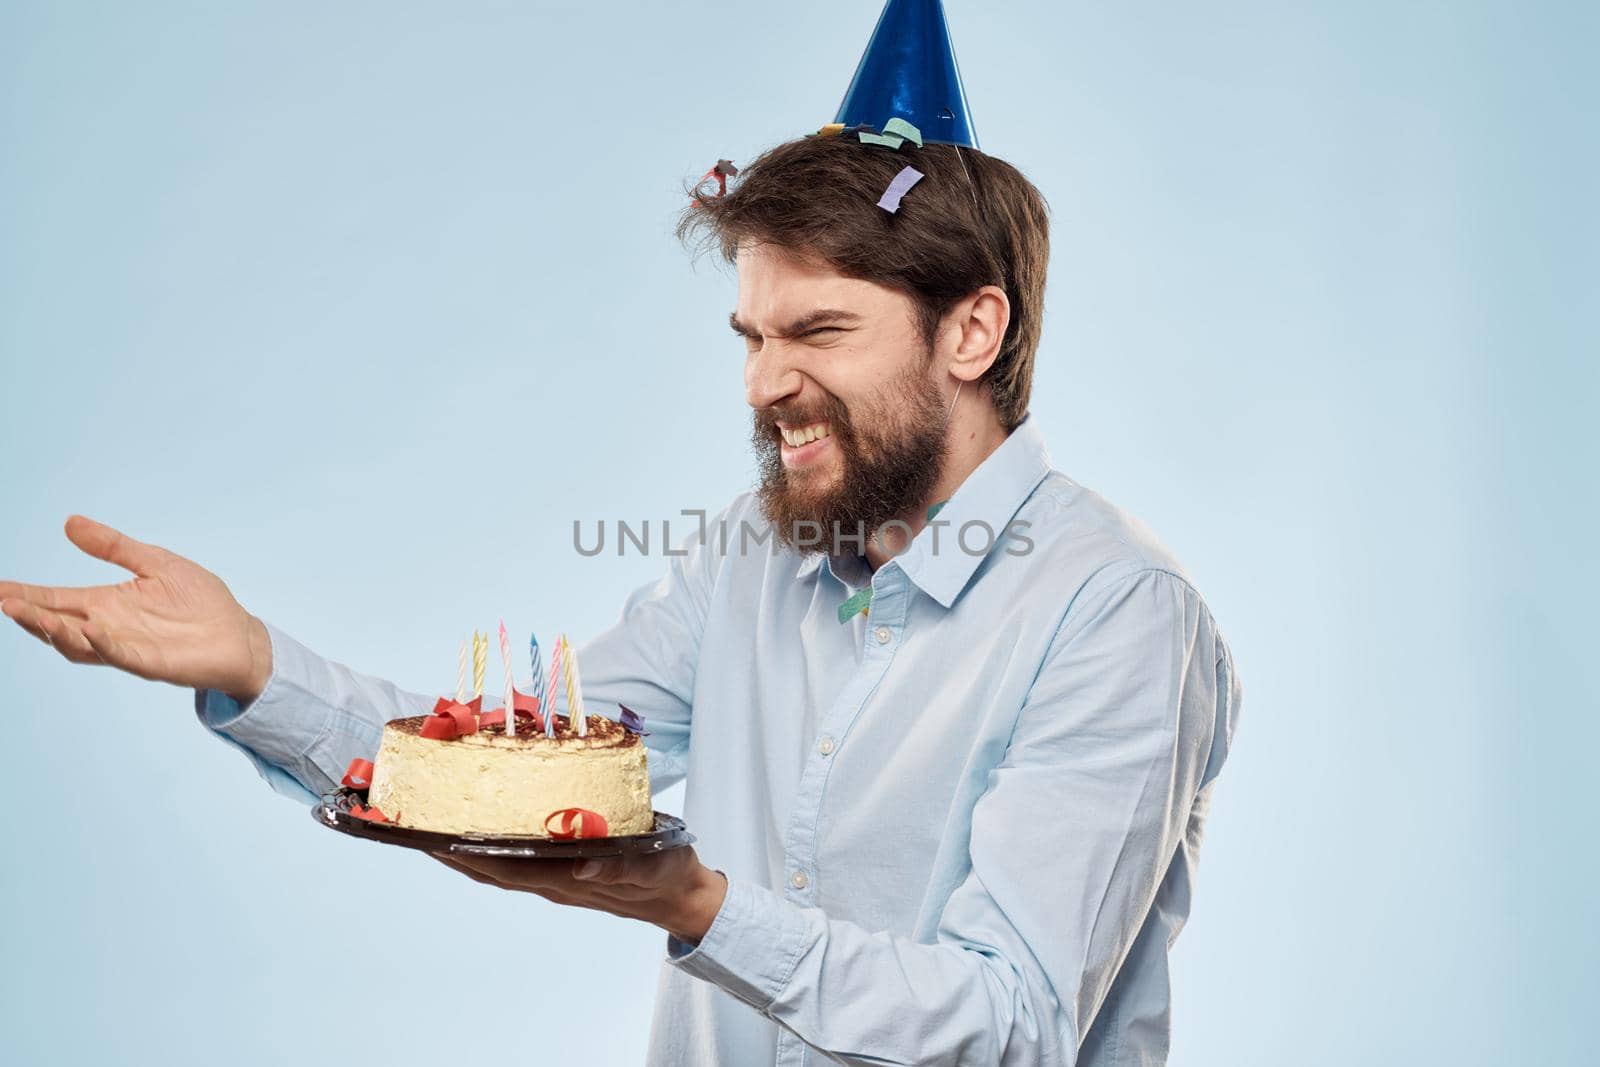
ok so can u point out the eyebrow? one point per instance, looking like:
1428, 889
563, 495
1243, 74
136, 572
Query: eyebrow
800, 325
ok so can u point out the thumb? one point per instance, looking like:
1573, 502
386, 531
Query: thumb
113, 546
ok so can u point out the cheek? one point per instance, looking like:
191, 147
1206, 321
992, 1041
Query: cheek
843, 375
863, 370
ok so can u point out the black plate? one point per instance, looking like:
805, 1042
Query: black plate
333, 811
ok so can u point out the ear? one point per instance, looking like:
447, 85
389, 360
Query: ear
973, 331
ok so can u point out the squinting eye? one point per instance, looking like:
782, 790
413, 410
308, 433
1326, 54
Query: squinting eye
821, 329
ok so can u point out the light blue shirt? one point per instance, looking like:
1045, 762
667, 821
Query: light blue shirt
960, 829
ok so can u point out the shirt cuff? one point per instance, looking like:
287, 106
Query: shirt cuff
277, 728
216, 709
751, 947
288, 716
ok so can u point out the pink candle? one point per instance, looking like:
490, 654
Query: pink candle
556, 657
511, 692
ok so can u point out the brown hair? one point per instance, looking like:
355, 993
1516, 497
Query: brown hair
972, 220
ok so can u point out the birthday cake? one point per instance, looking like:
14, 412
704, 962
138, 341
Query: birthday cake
459, 771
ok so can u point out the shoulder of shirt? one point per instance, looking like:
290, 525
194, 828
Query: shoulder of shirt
1106, 544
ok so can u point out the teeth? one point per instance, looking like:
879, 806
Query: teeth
804, 435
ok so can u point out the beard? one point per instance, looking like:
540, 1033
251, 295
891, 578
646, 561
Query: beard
892, 450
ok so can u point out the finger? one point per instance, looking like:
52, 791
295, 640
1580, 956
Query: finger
579, 899
469, 867
599, 871
58, 631
57, 599
616, 882
66, 634
536, 875
478, 875
125, 655
113, 546
645, 870
468, 871
17, 612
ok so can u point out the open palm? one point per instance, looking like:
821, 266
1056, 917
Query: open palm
174, 621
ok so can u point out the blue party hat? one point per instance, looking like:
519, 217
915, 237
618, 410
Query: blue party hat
909, 71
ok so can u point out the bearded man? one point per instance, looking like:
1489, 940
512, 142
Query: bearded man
949, 721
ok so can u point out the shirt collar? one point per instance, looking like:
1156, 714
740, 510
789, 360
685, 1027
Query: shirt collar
991, 495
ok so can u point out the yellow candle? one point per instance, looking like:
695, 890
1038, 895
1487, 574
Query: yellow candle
480, 661
569, 669
577, 688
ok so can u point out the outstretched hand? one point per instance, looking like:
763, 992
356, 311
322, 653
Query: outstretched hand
173, 621
672, 889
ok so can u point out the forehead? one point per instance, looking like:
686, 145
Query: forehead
778, 284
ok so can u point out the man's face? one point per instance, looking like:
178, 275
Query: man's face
848, 420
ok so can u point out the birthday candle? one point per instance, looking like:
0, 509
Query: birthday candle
480, 661
461, 675
577, 689
537, 684
511, 689
568, 662
555, 676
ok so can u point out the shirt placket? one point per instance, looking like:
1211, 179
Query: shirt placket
881, 635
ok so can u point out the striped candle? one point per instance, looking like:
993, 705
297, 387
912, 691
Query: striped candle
568, 663
555, 678
511, 686
576, 682
480, 661
537, 685
461, 675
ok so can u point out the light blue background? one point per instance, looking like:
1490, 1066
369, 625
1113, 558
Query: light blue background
360, 304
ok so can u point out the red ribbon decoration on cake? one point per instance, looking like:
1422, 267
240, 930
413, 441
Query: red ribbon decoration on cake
450, 720
527, 707
370, 813
576, 822
358, 775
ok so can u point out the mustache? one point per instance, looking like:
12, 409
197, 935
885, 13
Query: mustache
832, 411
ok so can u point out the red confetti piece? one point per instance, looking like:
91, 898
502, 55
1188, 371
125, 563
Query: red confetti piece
358, 775
722, 170
575, 822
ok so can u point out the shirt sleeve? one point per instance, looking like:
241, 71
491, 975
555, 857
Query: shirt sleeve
1129, 718
314, 715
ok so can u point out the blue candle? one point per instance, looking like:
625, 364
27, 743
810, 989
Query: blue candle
538, 685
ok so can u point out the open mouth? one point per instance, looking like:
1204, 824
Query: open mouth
803, 444
802, 435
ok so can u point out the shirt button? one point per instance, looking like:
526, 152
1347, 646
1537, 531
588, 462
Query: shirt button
798, 879
825, 746
882, 634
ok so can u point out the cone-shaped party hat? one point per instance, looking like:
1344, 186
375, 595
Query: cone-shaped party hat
909, 71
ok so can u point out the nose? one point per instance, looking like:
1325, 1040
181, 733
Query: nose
770, 376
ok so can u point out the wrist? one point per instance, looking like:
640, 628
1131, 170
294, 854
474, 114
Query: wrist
702, 903
258, 649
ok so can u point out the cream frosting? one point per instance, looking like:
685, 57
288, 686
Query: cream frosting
488, 783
